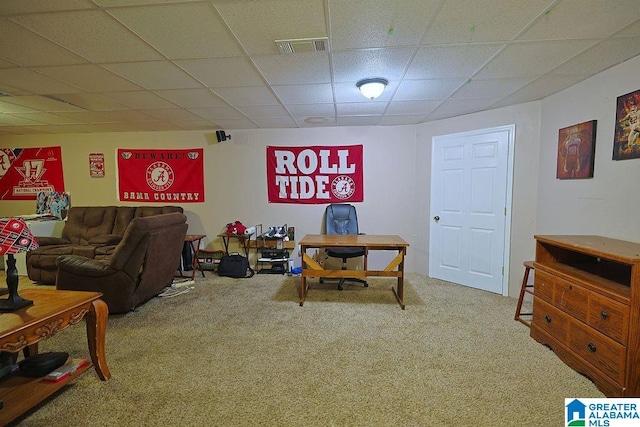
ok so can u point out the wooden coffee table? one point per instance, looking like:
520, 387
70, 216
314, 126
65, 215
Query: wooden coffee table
51, 312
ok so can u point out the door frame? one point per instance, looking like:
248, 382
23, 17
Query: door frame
511, 130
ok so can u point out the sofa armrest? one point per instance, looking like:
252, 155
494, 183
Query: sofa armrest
105, 239
83, 266
49, 241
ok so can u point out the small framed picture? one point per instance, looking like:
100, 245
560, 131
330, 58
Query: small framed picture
626, 141
576, 151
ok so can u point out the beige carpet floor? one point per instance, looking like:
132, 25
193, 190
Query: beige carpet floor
244, 353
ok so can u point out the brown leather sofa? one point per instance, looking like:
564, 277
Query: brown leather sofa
139, 268
90, 231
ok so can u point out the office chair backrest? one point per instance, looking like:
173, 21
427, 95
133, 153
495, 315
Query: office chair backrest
341, 219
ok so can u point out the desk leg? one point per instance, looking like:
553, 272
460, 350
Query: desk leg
96, 330
400, 292
195, 264
303, 278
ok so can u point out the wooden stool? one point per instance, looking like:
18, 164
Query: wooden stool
526, 289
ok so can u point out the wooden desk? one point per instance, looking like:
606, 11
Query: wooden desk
51, 312
311, 268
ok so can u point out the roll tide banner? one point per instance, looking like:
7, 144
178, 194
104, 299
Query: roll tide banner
25, 172
161, 176
315, 175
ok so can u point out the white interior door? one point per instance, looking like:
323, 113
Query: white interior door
470, 208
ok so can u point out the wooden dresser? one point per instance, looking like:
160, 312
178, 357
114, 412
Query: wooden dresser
586, 308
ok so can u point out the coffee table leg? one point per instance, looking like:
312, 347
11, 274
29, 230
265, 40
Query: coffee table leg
96, 330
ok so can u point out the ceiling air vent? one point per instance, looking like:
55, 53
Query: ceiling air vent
317, 44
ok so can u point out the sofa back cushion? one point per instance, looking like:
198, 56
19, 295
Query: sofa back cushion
87, 222
126, 214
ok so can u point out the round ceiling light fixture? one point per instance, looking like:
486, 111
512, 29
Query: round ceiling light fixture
372, 88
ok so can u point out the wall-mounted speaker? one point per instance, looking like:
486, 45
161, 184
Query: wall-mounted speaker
222, 135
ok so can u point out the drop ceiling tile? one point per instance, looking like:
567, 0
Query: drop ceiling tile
12, 7
33, 82
112, 3
602, 56
305, 94
91, 102
311, 110
490, 88
7, 119
591, 19
389, 64
41, 103
540, 88
411, 108
181, 31
140, 99
426, 90
92, 34
264, 112
192, 98
7, 64
441, 62
236, 124
214, 114
296, 68
464, 106
154, 75
34, 50
85, 116
252, 95
129, 116
379, 23
222, 72
48, 118
172, 114
9, 107
480, 21
197, 125
361, 108
275, 123
532, 58
89, 77
632, 30
326, 122
389, 120
259, 24
359, 120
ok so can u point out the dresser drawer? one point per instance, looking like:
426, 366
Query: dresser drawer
543, 285
549, 319
599, 350
609, 317
571, 298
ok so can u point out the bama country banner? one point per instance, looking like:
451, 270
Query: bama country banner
25, 172
315, 174
161, 175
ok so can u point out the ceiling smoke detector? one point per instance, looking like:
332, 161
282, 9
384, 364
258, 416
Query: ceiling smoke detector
317, 44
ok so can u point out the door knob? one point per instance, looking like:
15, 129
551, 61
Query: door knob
436, 218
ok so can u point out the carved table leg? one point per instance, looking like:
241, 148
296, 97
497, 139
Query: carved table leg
96, 330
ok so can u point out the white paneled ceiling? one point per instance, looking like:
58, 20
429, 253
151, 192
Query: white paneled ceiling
143, 65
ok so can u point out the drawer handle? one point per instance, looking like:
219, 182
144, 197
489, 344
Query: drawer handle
604, 314
592, 347
547, 318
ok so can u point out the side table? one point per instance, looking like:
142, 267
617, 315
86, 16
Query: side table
242, 240
194, 242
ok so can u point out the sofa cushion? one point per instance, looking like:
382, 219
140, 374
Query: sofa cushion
85, 223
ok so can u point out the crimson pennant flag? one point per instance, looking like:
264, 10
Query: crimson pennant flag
315, 175
25, 172
161, 175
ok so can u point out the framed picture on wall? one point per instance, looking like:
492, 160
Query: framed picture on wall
576, 150
626, 141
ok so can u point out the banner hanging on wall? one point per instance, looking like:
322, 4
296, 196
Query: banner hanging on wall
315, 175
161, 175
25, 172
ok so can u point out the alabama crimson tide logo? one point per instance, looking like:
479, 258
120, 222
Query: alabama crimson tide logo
160, 176
343, 187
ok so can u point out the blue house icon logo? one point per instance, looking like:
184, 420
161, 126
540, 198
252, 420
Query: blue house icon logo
576, 413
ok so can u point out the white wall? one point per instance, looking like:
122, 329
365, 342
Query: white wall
607, 204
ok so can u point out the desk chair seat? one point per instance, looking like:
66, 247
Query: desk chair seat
342, 219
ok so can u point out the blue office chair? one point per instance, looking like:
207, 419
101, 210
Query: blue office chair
342, 219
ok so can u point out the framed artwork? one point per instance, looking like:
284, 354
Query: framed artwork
626, 144
576, 150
